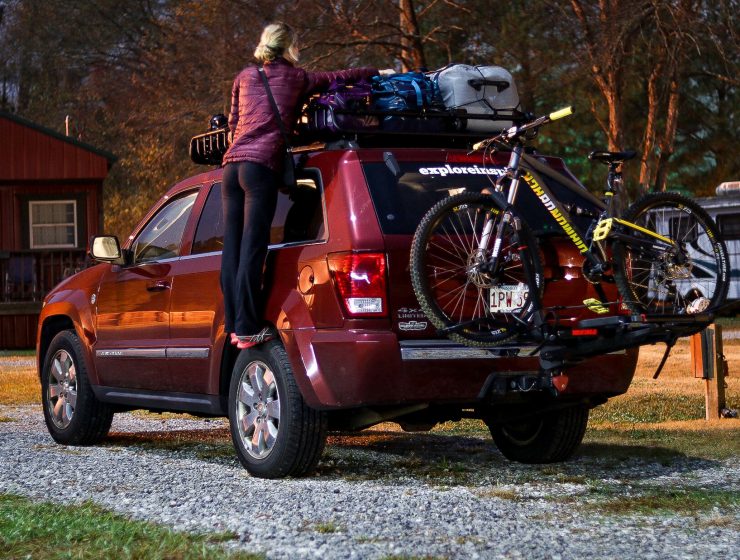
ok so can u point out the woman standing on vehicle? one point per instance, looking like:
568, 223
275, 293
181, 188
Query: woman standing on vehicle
252, 164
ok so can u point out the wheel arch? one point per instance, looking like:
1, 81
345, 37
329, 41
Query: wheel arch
51, 326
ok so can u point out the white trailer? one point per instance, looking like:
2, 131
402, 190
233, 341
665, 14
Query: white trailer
725, 211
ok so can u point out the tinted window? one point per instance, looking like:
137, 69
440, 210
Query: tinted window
209, 235
299, 217
729, 226
402, 199
162, 236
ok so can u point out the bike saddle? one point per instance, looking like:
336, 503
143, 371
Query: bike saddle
611, 157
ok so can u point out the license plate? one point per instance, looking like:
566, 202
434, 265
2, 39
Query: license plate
505, 298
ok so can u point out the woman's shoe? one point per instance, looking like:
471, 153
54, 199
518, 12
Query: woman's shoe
244, 342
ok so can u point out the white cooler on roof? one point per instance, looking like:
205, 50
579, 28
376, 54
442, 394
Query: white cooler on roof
479, 90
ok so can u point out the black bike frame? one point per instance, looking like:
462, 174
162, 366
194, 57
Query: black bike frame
518, 162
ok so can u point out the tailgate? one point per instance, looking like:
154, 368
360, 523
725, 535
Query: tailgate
404, 184
565, 286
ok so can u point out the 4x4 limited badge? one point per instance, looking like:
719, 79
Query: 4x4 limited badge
413, 325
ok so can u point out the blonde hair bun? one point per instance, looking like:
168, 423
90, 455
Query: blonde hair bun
278, 39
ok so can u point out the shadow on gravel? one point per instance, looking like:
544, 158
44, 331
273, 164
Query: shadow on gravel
469, 460
431, 457
211, 445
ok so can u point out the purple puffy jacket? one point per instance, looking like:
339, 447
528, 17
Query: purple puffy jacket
257, 136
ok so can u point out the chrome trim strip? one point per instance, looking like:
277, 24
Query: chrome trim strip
449, 350
198, 353
131, 353
199, 255
462, 353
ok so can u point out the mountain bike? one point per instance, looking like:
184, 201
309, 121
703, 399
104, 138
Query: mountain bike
477, 271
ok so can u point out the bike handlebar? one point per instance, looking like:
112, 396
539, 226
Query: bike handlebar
515, 131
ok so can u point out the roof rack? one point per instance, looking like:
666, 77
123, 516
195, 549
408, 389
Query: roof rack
369, 128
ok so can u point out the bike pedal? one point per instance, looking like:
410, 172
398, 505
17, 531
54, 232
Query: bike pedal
595, 305
602, 229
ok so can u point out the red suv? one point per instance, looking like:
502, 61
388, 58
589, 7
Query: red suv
144, 329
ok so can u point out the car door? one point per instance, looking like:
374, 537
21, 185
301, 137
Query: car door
133, 303
196, 307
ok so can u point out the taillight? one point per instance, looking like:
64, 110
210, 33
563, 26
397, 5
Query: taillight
360, 279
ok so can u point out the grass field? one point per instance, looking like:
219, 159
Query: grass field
46, 530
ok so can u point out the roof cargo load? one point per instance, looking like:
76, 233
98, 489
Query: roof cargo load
478, 90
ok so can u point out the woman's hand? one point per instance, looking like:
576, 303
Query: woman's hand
230, 136
387, 72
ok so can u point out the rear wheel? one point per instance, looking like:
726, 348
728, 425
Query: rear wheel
274, 432
548, 438
689, 278
450, 276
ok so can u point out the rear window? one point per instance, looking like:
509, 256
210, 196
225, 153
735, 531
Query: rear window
403, 197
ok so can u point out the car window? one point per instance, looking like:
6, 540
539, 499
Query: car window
299, 216
162, 236
209, 235
402, 198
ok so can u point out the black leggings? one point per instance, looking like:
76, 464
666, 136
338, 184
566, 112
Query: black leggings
249, 196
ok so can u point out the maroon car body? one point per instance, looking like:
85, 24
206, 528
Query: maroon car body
152, 330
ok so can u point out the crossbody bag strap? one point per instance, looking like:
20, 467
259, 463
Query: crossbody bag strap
275, 109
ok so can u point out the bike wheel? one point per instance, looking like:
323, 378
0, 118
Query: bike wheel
692, 277
474, 306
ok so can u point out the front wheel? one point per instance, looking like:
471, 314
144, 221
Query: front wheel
689, 277
73, 415
275, 433
457, 286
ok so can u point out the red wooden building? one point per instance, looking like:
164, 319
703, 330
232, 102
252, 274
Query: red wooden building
50, 203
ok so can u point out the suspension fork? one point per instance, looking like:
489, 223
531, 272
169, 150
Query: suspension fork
512, 171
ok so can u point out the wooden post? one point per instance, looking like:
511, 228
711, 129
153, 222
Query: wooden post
708, 363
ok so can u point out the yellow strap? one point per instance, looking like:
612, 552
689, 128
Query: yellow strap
595, 305
564, 112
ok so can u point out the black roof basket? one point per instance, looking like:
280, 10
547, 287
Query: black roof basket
368, 128
209, 148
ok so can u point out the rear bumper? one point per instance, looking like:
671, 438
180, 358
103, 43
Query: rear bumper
353, 368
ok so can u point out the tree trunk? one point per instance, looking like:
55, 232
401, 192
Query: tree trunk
412, 49
669, 135
648, 140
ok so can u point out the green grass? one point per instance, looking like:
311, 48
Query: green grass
619, 443
649, 408
12, 353
55, 531
405, 557
664, 501
327, 527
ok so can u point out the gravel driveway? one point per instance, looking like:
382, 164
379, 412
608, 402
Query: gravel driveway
377, 494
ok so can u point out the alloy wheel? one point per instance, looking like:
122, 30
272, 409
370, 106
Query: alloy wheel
258, 409
62, 389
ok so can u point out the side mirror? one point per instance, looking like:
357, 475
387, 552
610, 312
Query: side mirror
106, 248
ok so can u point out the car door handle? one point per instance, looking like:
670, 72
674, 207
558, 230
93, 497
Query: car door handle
158, 286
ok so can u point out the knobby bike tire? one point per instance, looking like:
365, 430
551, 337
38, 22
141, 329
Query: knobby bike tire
450, 294
662, 284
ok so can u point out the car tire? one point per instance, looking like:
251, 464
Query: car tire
275, 433
547, 438
73, 415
